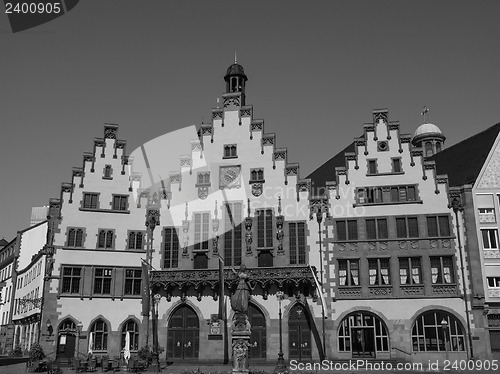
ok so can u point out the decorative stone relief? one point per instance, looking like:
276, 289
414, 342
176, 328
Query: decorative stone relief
229, 177
257, 189
491, 176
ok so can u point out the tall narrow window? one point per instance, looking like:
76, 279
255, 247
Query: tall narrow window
432, 229
108, 172
105, 239
372, 166
265, 228
171, 248
100, 336
232, 234
132, 328
90, 200
102, 281
297, 242
201, 226
376, 228
396, 165
120, 202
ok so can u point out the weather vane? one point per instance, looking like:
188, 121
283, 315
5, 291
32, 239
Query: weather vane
424, 113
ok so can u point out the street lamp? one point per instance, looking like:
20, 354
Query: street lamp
281, 365
79, 328
444, 326
156, 355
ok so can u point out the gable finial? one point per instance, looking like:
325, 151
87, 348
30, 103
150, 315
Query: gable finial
424, 113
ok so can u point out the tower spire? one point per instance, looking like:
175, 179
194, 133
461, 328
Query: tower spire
235, 57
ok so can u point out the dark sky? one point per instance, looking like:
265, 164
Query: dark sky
316, 71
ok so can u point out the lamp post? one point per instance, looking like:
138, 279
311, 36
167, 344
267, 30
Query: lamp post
319, 205
79, 328
444, 326
456, 205
281, 365
156, 356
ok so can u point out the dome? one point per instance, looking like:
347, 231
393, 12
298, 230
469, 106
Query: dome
235, 69
427, 129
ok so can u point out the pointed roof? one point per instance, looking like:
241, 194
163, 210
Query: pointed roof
463, 161
326, 172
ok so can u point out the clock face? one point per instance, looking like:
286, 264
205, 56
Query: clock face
230, 177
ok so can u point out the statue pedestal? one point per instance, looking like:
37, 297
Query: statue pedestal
240, 343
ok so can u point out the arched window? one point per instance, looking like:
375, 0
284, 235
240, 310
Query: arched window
438, 147
437, 330
67, 324
99, 333
428, 149
363, 334
133, 330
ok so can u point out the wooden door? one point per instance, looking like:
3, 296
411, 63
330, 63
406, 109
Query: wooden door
183, 334
299, 334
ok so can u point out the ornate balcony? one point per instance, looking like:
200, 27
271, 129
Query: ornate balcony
202, 281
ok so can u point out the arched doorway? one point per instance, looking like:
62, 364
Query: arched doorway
258, 337
183, 334
299, 333
363, 334
66, 339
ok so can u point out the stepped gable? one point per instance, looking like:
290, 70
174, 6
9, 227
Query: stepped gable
463, 161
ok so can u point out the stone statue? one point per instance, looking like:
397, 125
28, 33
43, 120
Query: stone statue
239, 300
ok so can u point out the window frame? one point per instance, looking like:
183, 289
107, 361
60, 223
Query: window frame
75, 241
89, 205
233, 233
104, 277
489, 230
349, 276
108, 243
72, 278
131, 282
298, 242
230, 151
411, 262
441, 274
134, 241
379, 280
171, 246
122, 207
265, 228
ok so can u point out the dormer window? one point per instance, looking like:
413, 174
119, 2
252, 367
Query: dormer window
230, 151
